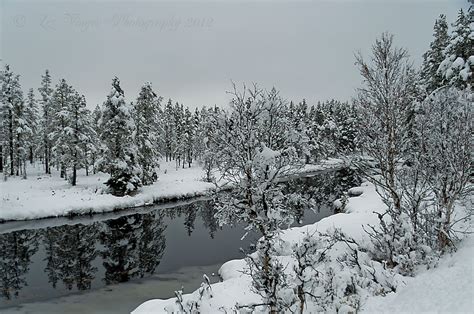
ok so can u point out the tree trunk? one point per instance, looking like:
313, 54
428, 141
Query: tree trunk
24, 169
74, 175
46, 157
12, 162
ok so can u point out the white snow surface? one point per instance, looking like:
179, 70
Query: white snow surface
42, 196
447, 288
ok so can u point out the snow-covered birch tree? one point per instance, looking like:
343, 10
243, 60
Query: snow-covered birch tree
253, 153
447, 156
385, 101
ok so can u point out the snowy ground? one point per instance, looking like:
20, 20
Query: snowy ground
47, 196
447, 288
42, 196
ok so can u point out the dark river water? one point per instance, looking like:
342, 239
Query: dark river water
45, 260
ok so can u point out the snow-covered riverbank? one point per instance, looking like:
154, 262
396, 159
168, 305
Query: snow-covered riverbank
449, 287
42, 196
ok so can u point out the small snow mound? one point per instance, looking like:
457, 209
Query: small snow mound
355, 191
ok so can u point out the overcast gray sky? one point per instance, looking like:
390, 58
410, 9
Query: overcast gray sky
192, 50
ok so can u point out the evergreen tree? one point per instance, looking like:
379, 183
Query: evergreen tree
431, 79
458, 65
146, 120
169, 130
198, 124
96, 121
80, 135
178, 139
32, 120
119, 157
60, 136
189, 129
22, 133
209, 122
90, 143
11, 98
46, 124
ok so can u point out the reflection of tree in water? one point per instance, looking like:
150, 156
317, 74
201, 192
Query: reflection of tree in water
133, 246
16, 249
70, 251
205, 210
51, 247
152, 243
189, 218
320, 190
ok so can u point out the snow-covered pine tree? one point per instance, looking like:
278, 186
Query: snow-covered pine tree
60, 136
298, 117
178, 139
46, 125
189, 130
209, 125
458, 66
80, 134
13, 125
322, 131
346, 119
431, 79
32, 120
6, 111
22, 133
169, 130
119, 157
95, 122
147, 135
91, 142
197, 144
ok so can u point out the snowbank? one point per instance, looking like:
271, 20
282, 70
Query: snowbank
446, 288
42, 196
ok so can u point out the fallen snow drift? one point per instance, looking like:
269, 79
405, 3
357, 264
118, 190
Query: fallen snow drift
448, 288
